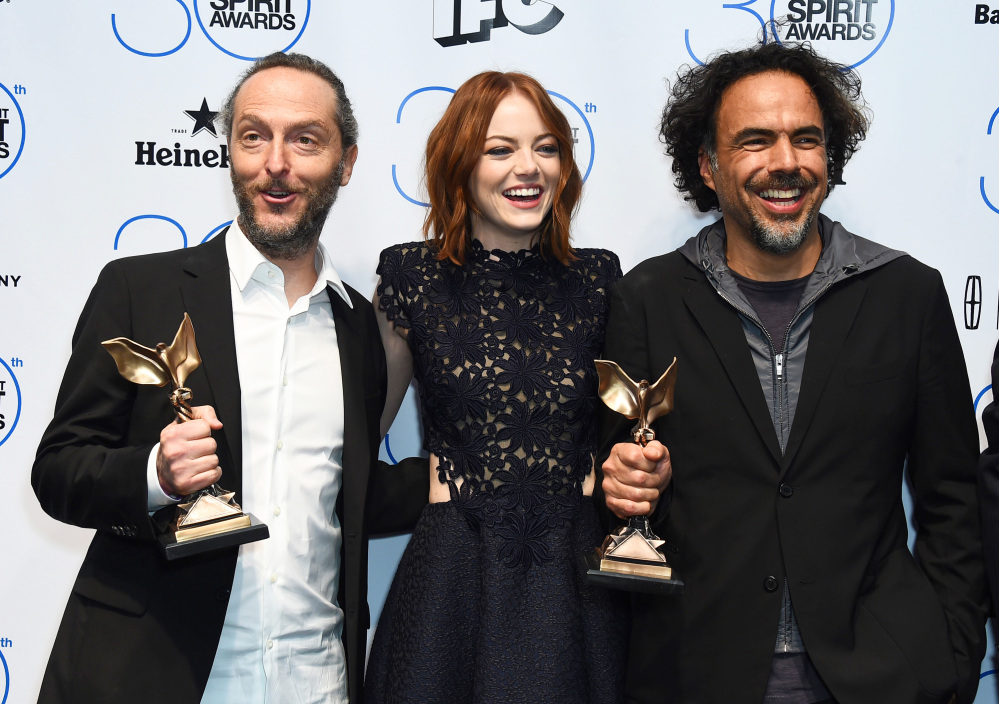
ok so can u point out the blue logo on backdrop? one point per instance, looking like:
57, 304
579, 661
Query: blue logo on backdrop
427, 112
851, 31
12, 128
981, 182
10, 398
158, 238
459, 21
979, 405
847, 31
243, 29
6, 671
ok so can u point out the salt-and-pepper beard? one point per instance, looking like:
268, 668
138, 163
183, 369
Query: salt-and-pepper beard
771, 238
293, 241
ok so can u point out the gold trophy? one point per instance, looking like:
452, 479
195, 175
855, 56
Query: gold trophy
208, 519
630, 558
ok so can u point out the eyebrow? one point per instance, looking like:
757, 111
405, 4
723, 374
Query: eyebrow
750, 132
511, 140
254, 119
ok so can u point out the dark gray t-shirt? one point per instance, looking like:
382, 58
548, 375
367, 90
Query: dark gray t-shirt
775, 302
793, 678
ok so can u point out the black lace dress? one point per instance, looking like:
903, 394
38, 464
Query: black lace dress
489, 602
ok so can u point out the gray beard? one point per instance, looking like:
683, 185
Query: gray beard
296, 240
772, 239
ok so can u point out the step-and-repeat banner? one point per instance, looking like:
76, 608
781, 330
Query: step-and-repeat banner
110, 146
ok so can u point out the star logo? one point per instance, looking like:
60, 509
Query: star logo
204, 119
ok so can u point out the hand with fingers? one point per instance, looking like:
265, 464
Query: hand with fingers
186, 461
635, 477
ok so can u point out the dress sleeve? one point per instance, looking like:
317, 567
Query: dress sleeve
613, 266
397, 266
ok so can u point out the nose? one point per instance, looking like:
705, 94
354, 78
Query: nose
526, 163
277, 161
783, 156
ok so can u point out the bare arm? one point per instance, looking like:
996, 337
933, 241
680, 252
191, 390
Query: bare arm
400, 366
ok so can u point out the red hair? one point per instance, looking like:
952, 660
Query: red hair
454, 149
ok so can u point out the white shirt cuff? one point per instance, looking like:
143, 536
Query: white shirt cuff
156, 498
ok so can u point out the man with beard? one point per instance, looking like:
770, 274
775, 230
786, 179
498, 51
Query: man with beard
293, 382
813, 367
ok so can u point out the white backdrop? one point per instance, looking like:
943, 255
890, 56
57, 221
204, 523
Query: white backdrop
95, 95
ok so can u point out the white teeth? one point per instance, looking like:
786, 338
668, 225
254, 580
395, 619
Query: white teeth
523, 192
774, 193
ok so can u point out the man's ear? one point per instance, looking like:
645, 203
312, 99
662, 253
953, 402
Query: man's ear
707, 173
348, 164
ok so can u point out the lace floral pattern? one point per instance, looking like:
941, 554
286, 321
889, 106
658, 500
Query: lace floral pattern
503, 352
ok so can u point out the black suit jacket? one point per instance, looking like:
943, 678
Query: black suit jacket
884, 386
139, 628
988, 485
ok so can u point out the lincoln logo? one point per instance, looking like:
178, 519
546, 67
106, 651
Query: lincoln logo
972, 302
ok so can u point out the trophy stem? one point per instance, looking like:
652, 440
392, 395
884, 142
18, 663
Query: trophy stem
640, 524
180, 399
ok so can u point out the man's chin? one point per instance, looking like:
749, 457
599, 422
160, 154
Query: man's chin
781, 235
276, 227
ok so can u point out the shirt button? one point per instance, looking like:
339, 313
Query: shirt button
280, 444
786, 490
770, 584
277, 510
270, 645
284, 382
274, 577
270, 273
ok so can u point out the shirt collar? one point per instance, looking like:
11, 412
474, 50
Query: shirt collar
245, 260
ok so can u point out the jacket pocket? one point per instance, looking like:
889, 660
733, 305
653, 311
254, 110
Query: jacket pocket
903, 608
873, 373
118, 591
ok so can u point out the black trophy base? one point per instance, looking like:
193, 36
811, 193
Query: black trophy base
175, 546
628, 582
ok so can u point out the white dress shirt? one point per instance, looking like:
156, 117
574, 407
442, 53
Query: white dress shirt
281, 639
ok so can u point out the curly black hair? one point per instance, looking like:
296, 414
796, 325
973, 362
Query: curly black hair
690, 116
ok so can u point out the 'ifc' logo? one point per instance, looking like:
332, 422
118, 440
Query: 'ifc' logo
11, 128
243, 29
460, 21
10, 398
847, 31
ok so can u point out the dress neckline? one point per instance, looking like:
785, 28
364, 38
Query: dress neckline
502, 259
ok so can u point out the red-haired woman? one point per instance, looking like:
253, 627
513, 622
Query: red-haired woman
500, 319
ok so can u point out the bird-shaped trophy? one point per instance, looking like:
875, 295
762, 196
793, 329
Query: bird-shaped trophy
629, 558
208, 519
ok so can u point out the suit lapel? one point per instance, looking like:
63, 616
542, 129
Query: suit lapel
208, 300
724, 332
352, 370
834, 314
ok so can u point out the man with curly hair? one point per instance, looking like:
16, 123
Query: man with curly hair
816, 368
